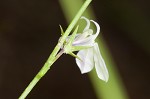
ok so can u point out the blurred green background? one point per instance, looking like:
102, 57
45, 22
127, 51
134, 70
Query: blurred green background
29, 30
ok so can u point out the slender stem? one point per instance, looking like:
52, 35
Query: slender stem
53, 57
75, 20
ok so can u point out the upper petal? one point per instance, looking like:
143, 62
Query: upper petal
88, 23
100, 65
86, 63
97, 27
87, 37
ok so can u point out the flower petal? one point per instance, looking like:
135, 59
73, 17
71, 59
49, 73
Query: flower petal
84, 42
88, 23
98, 29
86, 63
84, 35
100, 65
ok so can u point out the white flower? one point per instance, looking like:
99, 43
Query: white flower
91, 56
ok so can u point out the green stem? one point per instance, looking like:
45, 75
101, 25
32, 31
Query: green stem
53, 57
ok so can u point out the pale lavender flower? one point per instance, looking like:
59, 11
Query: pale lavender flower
91, 56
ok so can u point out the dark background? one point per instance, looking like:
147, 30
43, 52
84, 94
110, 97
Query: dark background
29, 30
